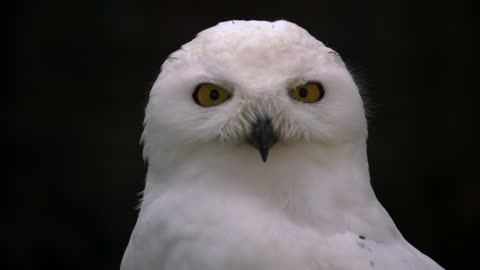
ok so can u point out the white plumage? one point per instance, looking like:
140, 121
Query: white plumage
210, 202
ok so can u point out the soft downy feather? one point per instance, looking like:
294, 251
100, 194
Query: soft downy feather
211, 203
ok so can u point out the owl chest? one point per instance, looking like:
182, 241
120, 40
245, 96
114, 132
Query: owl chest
208, 234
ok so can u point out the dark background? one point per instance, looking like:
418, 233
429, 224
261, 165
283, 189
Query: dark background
79, 73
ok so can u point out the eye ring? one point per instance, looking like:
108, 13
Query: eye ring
209, 95
309, 92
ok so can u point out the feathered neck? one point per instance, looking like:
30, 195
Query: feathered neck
310, 183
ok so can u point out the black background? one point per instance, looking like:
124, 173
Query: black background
79, 73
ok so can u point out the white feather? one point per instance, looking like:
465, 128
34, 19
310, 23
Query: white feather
211, 203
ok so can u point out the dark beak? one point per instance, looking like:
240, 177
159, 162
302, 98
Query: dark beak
263, 137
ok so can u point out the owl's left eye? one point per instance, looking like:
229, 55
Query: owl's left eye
308, 93
209, 94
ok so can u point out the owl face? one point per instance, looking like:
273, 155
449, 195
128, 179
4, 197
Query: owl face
257, 83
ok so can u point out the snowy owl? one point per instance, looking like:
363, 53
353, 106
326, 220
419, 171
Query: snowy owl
255, 136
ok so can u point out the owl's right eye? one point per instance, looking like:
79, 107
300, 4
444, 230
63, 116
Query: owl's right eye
209, 94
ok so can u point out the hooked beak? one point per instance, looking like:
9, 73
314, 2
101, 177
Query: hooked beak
262, 137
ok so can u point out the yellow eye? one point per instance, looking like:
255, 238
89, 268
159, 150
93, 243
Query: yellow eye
308, 93
209, 94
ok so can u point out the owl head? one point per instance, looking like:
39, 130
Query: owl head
256, 83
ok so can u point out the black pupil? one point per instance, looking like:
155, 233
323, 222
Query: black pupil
214, 95
303, 92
